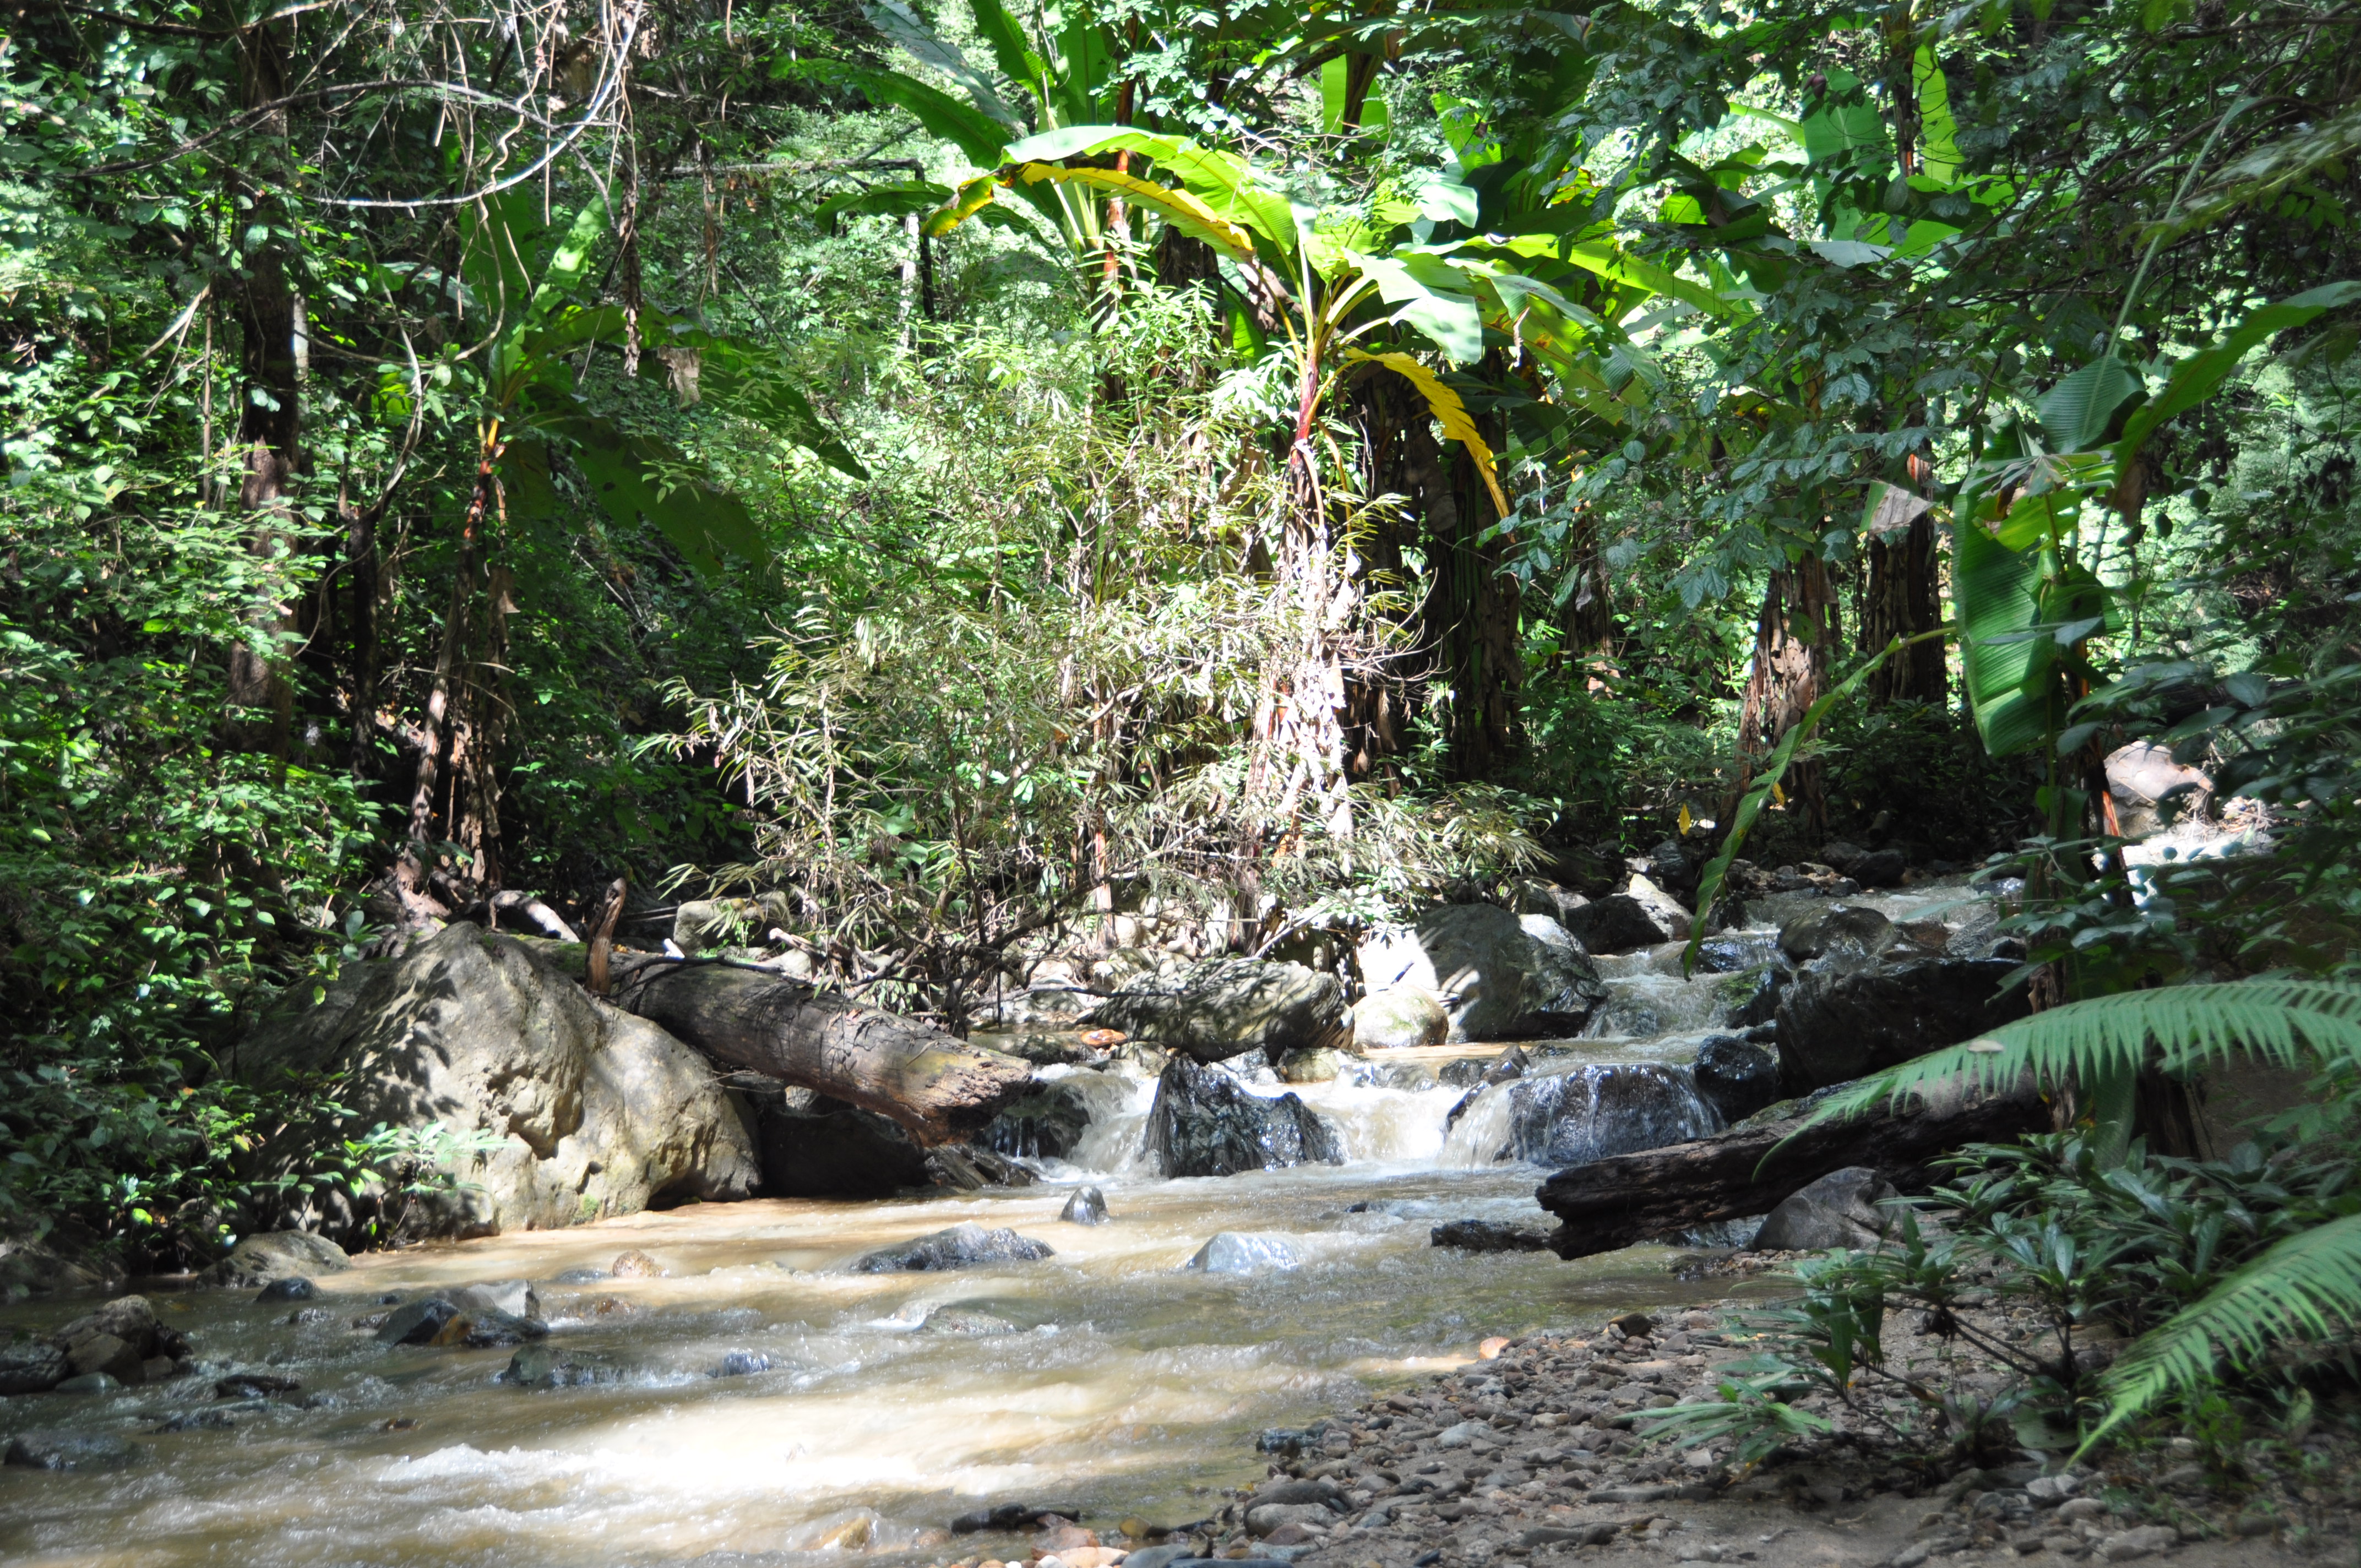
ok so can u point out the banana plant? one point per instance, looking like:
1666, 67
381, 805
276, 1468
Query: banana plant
1061, 78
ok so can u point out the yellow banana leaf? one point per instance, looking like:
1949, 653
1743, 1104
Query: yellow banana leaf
1449, 412
1185, 212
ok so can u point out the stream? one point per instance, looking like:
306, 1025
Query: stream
1129, 1388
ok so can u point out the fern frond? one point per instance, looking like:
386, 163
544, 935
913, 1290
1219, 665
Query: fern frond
2107, 1037
2308, 1284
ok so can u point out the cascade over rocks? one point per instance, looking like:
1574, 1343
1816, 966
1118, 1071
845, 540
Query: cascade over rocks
1220, 1008
596, 1111
1046, 1123
1835, 930
1499, 976
1205, 1123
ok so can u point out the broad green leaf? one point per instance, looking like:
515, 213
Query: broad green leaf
2076, 412
2200, 376
1010, 49
1844, 122
1224, 183
1847, 253
1937, 130
1617, 266
973, 131
1431, 296
899, 22
897, 199
1996, 591
1449, 412
570, 262
1181, 209
703, 524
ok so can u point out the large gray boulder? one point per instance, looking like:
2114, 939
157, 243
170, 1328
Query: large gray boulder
1839, 1210
1836, 930
1045, 1123
597, 1112
1205, 1123
1616, 923
1499, 976
275, 1254
1842, 1017
2149, 787
1219, 1008
1736, 1076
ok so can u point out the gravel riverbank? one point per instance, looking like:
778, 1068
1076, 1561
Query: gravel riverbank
1528, 1455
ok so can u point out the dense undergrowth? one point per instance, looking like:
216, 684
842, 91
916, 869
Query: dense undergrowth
941, 472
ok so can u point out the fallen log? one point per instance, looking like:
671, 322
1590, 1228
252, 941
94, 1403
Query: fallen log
1614, 1202
941, 1089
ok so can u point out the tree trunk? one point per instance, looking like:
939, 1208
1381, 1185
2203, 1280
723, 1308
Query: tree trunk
1468, 619
269, 416
1904, 599
1793, 638
1614, 1202
941, 1089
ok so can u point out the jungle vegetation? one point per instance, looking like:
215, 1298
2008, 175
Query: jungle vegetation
963, 469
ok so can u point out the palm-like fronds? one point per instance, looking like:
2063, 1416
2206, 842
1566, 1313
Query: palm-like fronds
2308, 1285
2108, 1037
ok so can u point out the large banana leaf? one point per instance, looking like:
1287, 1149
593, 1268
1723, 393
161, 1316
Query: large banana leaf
967, 128
1449, 412
1222, 180
1431, 296
2075, 412
2197, 378
2006, 661
899, 22
1182, 209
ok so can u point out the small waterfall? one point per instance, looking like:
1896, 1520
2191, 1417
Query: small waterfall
1378, 1124
1482, 1135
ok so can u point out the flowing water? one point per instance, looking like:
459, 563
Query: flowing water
1130, 1388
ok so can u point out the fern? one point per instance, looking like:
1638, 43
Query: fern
2111, 1038
2308, 1285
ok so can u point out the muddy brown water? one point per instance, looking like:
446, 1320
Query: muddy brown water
1130, 1388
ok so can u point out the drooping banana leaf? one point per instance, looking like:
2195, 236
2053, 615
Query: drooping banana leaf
973, 132
899, 22
1449, 412
1182, 209
2005, 659
2197, 378
2075, 412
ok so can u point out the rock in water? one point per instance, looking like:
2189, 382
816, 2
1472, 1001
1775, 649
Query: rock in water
1311, 1067
121, 1340
1400, 1017
1842, 931
1205, 1123
1220, 1008
428, 1321
1839, 1020
1086, 1207
1500, 976
1616, 923
1588, 1111
637, 1265
597, 1113
1239, 1252
1839, 1210
32, 1366
1736, 1076
1487, 1235
546, 1367
742, 1363
276, 1255
1045, 1123
961, 1247
2148, 785
70, 1451
294, 1288
514, 1297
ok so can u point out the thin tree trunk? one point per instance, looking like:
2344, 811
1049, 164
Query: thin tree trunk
1793, 639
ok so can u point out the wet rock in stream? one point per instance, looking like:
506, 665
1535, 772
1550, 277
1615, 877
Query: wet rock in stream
1205, 1123
960, 1247
1088, 1206
1045, 1123
548, 1367
68, 1450
274, 1256
1558, 1116
1736, 1076
967, 1322
294, 1288
1487, 1235
1237, 1252
1220, 1008
1499, 976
